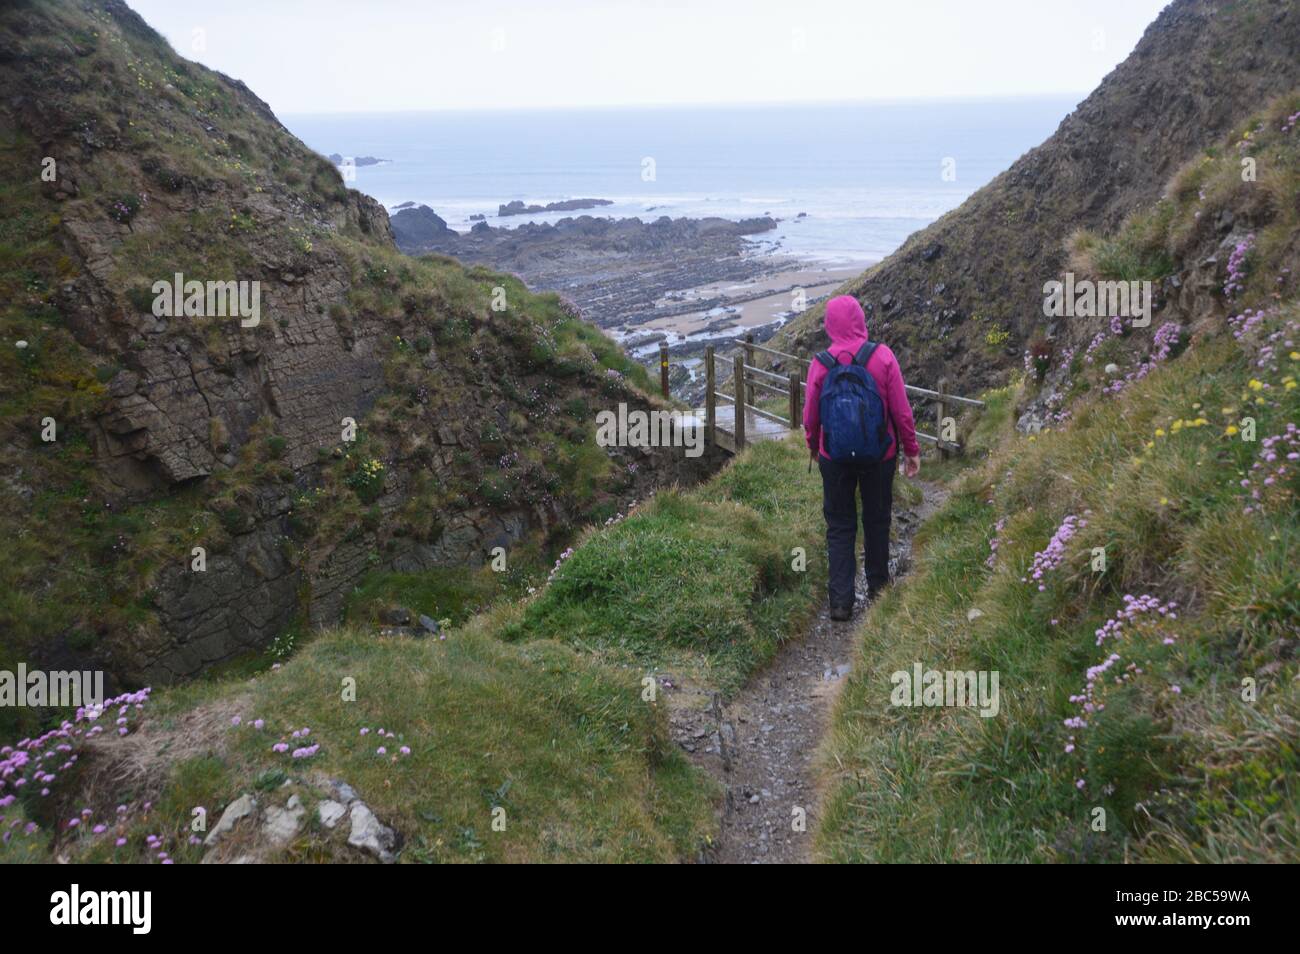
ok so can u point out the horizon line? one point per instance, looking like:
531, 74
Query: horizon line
745, 104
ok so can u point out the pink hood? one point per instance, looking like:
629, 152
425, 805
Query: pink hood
846, 325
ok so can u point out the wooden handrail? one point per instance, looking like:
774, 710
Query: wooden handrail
738, 422
772, 388
767, 374
767, 414
746, 378
779, 354
926, 392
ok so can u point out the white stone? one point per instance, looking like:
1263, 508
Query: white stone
330, 812
343, 792
241, 807
282, 824
370, 835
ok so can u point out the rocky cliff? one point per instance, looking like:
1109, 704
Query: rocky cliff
962, 296
182, 484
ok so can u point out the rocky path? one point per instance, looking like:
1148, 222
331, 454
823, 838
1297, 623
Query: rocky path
760, 746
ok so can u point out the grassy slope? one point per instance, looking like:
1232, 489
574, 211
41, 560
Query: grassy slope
1185, 767
581, 766
501, 713
701, 581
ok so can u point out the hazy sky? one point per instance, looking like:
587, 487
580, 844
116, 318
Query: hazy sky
366, 55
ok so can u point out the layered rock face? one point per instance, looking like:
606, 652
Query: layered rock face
961, 296
364, 418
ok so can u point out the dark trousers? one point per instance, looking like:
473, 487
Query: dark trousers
841, 484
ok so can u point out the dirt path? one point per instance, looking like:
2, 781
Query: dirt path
760, 746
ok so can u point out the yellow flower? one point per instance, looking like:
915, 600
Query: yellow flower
1164, 501
1160, 432
1255, 385
1231, 429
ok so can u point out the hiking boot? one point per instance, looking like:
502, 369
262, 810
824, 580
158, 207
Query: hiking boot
841, 614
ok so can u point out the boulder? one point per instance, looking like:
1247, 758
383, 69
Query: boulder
371, 835
330, 812
282, 824
237, 810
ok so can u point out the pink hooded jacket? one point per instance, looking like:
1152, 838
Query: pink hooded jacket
847, 327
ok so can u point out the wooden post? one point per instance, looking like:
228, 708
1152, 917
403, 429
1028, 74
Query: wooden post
796, 415
740, 402
749, 360
710, 402
942, 388
663, 367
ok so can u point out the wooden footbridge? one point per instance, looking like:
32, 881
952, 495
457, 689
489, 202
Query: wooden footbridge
731, 431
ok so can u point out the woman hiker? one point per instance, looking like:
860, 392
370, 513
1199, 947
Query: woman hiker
855, 415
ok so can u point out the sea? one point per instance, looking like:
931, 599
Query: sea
848, 182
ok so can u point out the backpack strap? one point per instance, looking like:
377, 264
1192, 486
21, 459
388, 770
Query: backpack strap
865, 352
827, 359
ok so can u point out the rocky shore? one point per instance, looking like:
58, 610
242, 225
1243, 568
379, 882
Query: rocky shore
684, 281
615, 271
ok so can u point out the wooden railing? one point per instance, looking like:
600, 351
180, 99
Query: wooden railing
747, 379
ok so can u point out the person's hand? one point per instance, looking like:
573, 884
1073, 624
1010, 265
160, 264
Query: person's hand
911, 464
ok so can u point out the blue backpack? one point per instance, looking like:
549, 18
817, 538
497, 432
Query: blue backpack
852, 410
